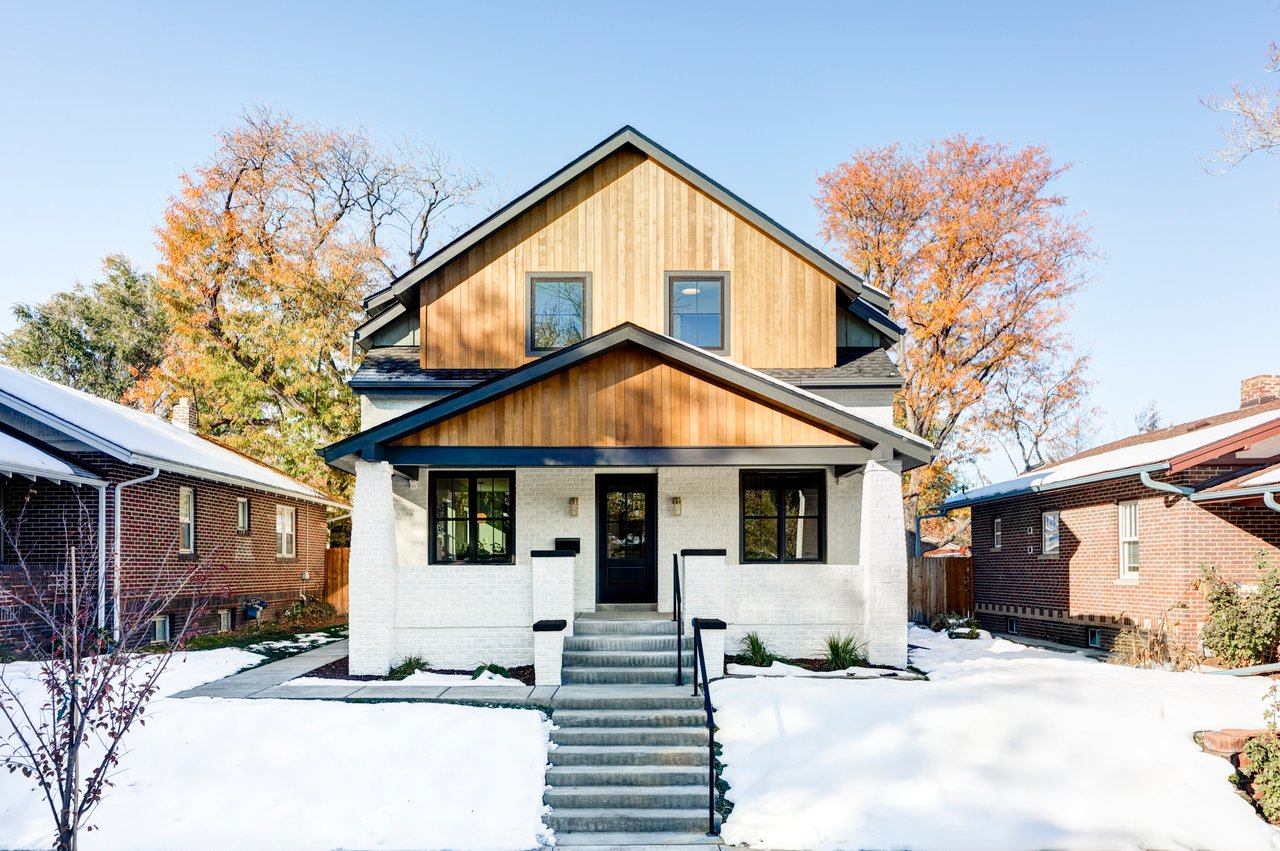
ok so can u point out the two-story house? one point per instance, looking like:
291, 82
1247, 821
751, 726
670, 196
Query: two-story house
626, 368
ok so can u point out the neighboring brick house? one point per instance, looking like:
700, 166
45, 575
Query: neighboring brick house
186, 504
1076, 550
625, 364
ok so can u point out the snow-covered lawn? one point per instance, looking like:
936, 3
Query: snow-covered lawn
213, 773
1006, 747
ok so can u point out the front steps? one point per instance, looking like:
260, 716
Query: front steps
631, 764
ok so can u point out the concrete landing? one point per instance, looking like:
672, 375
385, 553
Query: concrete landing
635, 841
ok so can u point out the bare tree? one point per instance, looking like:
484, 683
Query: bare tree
1149, 418
1255, 117
1039, 413
69, 705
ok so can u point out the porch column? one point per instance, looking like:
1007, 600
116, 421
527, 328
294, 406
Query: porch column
883, 556
552, 588
704, 583
372, 571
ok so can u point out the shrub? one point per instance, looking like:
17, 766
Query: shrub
1264, 756
409, 666
1242, 628
845, 651
939, 622
7, 653
957, 626
493, 669
1153, 648
755, 652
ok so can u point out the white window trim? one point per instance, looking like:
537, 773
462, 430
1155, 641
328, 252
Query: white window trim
242, 528
1044, 532
286, 542
997, 534
1127, 572
186, 517
167, 634
224, 620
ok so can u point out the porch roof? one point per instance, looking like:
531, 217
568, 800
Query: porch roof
856, 438
23, 455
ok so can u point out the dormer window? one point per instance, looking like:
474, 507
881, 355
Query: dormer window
697, 308
558, 310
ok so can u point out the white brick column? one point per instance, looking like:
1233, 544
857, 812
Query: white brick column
704, 578
883, 558
372, 571
552, 590
713, 646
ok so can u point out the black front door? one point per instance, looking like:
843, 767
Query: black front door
626, 521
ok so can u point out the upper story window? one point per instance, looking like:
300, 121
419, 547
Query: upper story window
783, 516
1049, 533
186, 520
698, 303
1128, 540
472, 517
558, 310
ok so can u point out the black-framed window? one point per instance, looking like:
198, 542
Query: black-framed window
697, 308
473, 517
559, 310
783, 515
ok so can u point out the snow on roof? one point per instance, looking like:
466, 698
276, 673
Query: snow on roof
18, 456
1126, 456
138, 437
1268, 477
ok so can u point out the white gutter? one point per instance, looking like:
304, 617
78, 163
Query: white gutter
115, 595
203, 473
1145, 478
1053, 486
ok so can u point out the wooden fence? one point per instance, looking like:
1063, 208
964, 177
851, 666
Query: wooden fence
937, 586
336, 562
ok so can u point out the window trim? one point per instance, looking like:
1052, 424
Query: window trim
530, 280
821, 475
1057, 531
472, 521
668, 280
1121, 540
183, 493
1093, 637
168, 629
1011, 625
292, 512
997, 534
229, 618
248, 515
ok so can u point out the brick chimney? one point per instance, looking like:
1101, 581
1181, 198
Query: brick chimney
184, 415
1259, 389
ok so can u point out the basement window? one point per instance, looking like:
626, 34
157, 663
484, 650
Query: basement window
1095, 637
224, 620
1011, 626
160, 629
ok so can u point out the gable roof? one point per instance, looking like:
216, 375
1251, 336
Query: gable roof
139, 438
914, 450
1170, 448
402, 293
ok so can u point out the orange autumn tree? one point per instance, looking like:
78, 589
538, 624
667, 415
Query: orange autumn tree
266, 255
981, 261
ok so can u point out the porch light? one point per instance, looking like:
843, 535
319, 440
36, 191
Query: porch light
677, 506
573, 506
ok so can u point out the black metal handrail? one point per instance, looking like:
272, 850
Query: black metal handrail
700, 665
678, 616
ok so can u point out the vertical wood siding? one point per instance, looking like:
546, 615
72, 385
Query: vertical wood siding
627, 221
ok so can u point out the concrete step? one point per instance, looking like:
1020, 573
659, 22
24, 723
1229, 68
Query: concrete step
675, 698
615, 841
628, 775
565, 718
626, 659
628, 797
655, 736
567, 755
595, 626
620, 676
602, 609
625, 642
602, 819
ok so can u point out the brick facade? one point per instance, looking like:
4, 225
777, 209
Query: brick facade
1061, 597
42, 520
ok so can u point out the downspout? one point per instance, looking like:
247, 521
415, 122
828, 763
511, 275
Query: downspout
926, 517
1145, 478
102, 555
115, 594
1269, 500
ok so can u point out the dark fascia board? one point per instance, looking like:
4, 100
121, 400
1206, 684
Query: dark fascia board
404, 287
877, 319
365, 330
622, 456
411, 385
754, 383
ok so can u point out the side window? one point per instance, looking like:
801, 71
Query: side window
997, 534
1128, 540
286, 545
558, 311
697, 309
186, 520
1049, 533
242, 515
472, 517
783, 517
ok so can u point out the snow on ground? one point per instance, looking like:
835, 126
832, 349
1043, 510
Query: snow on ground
782, 669
301, 641
210, 773
1006, 747
417, 678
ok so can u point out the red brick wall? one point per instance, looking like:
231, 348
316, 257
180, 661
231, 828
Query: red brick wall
232, 568
1060, 598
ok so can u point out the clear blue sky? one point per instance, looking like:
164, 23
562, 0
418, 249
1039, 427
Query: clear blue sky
102, 108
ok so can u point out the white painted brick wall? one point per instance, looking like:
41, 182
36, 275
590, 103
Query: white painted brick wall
884, 551
372, 570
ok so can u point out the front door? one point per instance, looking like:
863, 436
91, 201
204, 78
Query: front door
626, 521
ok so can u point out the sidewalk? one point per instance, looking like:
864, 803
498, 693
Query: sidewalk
267, 681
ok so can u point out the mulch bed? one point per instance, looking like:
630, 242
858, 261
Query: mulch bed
338, 670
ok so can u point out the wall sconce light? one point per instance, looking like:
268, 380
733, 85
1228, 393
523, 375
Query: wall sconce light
573, 506
677, 506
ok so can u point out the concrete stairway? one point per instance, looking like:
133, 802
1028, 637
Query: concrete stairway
631, 762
